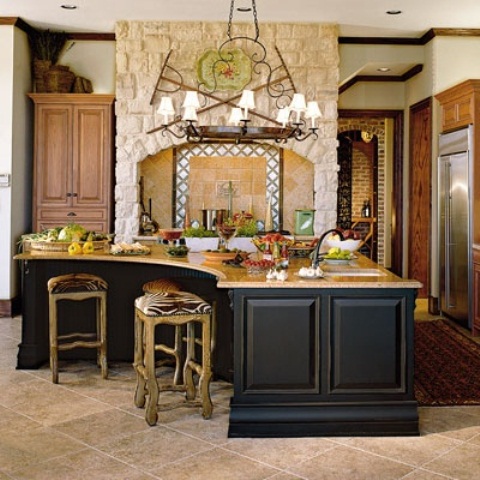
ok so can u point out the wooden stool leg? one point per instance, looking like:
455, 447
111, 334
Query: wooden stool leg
206, 375
190, 390
177, 377
102, 333
53, 334
138, 365
151, 415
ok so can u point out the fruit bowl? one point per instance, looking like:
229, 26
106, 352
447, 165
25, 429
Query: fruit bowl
170, 234
349, 244
219, 256
337, 261
302, 249
271, 238
256, 267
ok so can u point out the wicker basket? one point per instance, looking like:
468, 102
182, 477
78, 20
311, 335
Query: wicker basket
40, 68
43, 246
59, 79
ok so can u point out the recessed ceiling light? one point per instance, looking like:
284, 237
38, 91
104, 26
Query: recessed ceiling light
383, 69
394, 12
69, 7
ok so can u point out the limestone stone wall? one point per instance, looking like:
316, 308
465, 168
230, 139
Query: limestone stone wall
310, 52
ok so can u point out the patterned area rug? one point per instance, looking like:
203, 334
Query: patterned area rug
447, 366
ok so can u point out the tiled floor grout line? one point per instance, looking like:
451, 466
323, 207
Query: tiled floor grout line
424, 470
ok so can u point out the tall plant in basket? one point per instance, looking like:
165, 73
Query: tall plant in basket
46, 47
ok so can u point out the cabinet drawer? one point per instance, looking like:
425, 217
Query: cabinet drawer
64, 214
96, 220
98, 227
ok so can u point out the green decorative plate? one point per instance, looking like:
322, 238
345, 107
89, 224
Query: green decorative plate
232, 75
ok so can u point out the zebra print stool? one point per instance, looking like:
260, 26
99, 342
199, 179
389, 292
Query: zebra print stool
175, 308
78, 286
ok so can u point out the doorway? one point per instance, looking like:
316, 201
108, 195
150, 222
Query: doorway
387, 126
357, 158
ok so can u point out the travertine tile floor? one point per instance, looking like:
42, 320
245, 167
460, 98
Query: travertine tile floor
87, 427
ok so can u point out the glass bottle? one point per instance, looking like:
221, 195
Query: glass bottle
366, 208
267, 253
284, 256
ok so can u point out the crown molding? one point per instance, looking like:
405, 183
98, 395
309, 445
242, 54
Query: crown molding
423, 40
28, 29
415, 70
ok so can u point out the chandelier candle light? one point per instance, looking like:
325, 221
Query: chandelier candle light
295, 118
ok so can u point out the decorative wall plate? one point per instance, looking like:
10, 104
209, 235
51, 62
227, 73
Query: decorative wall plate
232, 72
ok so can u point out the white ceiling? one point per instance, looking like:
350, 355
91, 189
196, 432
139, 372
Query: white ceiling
355, 17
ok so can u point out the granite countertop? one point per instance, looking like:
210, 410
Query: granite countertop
361, 273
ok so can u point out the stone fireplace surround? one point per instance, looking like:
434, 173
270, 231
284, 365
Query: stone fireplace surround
310, 52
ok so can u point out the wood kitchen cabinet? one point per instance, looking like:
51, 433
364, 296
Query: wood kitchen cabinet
456, 99
322, 361
73, 161
476, 292
459, 105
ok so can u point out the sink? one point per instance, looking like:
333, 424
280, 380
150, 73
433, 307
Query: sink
353, 272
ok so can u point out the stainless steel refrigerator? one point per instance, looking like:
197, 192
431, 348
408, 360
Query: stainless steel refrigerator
455, 214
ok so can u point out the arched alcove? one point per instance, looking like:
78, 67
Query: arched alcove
187, 177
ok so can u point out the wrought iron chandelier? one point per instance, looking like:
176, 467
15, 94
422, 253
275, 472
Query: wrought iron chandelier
295, 118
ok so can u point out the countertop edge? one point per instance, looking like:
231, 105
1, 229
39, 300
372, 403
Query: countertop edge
237, 277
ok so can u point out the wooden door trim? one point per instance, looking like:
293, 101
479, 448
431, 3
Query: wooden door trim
417, 265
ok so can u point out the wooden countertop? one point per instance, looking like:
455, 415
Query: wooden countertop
362, 273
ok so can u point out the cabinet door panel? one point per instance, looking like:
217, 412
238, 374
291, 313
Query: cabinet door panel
272, 327
91, 155
476, 294
53, 156
465, 110
366, 344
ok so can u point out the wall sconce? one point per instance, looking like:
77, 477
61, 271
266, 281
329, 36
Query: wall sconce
367, 136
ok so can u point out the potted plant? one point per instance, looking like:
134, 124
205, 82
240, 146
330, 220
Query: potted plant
199, 239
246, 230
46, 47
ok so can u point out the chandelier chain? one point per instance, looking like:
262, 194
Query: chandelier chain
255, 20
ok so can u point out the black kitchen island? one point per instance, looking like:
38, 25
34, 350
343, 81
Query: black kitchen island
323, 357
323, 362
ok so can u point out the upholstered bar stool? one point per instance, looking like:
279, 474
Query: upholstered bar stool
78, 287
175, 308
174, 352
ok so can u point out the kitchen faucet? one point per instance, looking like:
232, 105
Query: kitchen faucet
316, 252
